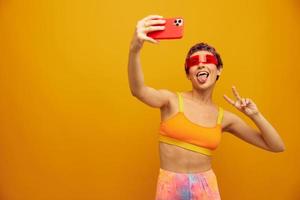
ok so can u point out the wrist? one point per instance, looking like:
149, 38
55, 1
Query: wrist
134, 49
255, 115
136, 46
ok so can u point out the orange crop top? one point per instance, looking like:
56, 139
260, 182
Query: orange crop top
180, 131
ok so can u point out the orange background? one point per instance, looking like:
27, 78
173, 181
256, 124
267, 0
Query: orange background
70, 129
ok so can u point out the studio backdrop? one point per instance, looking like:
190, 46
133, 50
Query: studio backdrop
71, 130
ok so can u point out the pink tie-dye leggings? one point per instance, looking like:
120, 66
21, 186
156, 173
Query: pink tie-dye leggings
187, 186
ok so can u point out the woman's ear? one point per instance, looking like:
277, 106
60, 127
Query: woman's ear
219, 71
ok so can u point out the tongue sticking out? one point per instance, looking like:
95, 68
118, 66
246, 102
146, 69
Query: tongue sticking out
202, 78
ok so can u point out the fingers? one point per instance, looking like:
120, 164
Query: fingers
247, 101
229, 100
149, 24
149, 19
142, 35
239, 103
149, 39
153, 28
152, 17
235, 92
154, 22
243, 102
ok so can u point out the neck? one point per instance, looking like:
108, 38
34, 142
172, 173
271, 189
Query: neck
203, 97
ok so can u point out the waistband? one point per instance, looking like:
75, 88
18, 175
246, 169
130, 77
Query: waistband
207, 172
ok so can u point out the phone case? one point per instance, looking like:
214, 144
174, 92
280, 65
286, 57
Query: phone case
173, 29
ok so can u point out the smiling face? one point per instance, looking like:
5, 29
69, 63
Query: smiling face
203, 73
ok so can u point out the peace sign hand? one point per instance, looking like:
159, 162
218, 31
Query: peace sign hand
245, 105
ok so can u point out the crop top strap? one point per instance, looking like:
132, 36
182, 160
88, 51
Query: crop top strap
180, 102
220, 115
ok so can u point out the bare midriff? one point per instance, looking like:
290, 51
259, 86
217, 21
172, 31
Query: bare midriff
177, 159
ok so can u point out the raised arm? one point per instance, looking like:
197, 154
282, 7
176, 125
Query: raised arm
148, 95
266, 138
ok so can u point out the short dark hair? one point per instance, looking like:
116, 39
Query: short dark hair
203, 47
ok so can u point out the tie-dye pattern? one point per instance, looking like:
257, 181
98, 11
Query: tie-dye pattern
187, 186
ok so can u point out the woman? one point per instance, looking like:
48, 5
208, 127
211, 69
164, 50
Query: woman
191, 123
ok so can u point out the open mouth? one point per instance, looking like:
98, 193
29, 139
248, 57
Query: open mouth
202, 74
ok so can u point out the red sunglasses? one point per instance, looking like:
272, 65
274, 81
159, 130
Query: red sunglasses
195, 60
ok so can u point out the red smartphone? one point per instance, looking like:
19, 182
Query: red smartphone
173, 29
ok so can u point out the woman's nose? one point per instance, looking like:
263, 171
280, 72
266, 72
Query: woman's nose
200, 66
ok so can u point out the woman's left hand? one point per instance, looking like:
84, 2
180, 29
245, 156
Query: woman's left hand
245, 105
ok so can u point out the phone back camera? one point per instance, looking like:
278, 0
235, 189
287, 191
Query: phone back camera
178, 22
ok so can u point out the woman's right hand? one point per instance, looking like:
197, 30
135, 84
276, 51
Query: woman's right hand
144, 26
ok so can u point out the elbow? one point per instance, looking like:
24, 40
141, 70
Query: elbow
133, 92
136, 92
